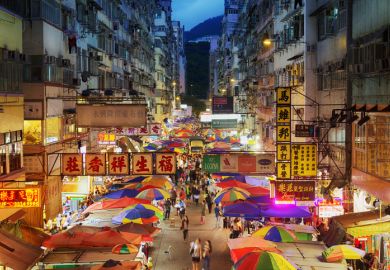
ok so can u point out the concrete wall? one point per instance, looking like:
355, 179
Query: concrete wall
10, 31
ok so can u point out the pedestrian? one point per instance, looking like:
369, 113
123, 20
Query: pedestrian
206, 255
167, 209
184, 227
196, 252
203, 212
217, 213
173, 196
196, 196
209, 202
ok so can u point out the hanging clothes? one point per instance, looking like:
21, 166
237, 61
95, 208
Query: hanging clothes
72, 44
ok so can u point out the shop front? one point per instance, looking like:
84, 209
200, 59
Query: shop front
74, 191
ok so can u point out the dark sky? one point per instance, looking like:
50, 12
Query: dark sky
192, 12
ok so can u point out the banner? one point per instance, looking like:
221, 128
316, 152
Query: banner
295, 190
142, 163
222, 105
26, 197
108, 116
165, 163
240, 163
211, 163
118, 164
95, 164
224, 123
150, 130
304, 160
72, 164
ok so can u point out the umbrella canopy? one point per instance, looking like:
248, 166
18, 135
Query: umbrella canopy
156, 177
242, 209
285, 211
258, 191
262, 200
134, 179
339, 252
114, 203
157, 211
116, 265
241, 246
234, 183
142, 229
239, 178
264, 260
158, 182
220, 175
66, 240
125, 249
110, 238
121, 193
83, 229
153, 194
276, 234
231, 194
138, 214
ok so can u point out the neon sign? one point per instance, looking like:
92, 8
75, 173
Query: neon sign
29, 197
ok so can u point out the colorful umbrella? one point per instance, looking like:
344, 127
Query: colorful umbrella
157, 211
125, 249
234, 183
285, 211
116, 265
113, 203
264, 260
158, 182
276, 234
258, 191
142, 229
231, 194
242, 209
153, 194
241, 246
121, 193
134, 179
138, 214
339, 252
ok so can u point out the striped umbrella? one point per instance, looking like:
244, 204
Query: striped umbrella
157, 211
276, 234
153, 194
125, 249
340, 252
231, 195
263, 260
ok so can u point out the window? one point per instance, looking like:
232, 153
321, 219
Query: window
332, 81
49, 10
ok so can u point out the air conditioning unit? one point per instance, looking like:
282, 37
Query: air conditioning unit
99, 58
52, 60
66, 62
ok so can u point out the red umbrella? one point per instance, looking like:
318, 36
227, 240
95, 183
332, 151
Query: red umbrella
66, 240
110, 238
114, 203
142, 229
234, 183
85, 229
258, 191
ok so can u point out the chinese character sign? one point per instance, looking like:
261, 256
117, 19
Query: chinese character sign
72, 164
229, 163
283, 152
283, 96
304, 160
118, 164
95, 164
246, 164
165, 163
29, 197
283, 114
283, 170
283, 134
142, 163
296, 190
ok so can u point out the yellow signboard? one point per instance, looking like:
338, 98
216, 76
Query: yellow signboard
283, 115
27, 197
304, 160
283, 152
283, 96
283, 170
283, 134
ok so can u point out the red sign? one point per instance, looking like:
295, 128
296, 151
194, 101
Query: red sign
246, 163
229, 163
296, 190
72, 164
165, 163
28, 197
95, 164
118, 164
150, 129
142, 163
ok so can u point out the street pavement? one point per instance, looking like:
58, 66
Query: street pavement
173, 236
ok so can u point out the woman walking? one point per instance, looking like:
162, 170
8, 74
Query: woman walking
196, 252
206, 255
203, 212
184, 227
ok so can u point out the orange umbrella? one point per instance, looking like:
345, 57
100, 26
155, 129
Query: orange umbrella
234, 183
84, 229
110, 238
66, 240
125, 249
113, 203
142, 229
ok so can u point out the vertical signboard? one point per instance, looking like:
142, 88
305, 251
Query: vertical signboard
304, 160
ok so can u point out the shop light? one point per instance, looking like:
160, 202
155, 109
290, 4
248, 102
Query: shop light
279, 202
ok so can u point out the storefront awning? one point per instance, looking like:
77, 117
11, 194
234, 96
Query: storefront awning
11, 214
376, 186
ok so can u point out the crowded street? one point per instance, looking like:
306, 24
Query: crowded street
195, 134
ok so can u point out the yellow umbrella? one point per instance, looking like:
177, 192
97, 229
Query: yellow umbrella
158, 182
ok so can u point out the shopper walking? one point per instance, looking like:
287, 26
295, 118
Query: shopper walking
203, 212
184, 227
167, 209
196, 252
206, 255
217, 212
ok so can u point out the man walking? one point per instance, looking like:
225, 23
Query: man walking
167, 209
217, 213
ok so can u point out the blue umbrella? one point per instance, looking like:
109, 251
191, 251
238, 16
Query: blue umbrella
133, 214
131, 193
137, 179
240, 178
243, 209
285, 211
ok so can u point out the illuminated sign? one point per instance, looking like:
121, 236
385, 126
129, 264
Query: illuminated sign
328, 209
149, 130
222, 105
297, 190
304, 160
106, 138
28, 197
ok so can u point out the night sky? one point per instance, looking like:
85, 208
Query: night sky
192, 12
